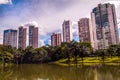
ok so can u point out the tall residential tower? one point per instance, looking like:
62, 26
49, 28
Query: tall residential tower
85, 30
105, 27
22, 37
10, 37
33, 36
67, 31
56, 39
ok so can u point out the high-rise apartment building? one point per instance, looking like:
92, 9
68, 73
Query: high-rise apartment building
85, 30
10, 37
105, 27
67, 31
33, 36
22, 37
56, 39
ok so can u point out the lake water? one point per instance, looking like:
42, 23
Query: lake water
55, 72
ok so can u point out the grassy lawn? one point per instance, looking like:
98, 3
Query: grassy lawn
90, 61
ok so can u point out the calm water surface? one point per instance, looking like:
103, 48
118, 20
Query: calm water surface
55, 72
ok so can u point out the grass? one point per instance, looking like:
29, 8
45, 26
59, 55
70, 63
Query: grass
90, 61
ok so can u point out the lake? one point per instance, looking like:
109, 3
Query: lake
55, 72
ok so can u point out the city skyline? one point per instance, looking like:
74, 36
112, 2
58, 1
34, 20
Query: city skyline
50, 20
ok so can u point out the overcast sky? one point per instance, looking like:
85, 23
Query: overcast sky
48, 15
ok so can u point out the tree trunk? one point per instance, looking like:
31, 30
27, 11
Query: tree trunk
3, 62
75, 59
82, 59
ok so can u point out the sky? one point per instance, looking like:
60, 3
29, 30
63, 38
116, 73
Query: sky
48, 15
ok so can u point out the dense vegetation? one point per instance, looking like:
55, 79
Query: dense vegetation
48, 53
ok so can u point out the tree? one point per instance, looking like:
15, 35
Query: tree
85, 49
18, 55
28, 54
6, 54
41, 55
101, 53
50, 52
112, 50
118, 50
58, 53
75, 49
67, 50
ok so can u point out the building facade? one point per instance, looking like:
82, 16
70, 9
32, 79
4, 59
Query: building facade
105, 27
67, 31
22, 37
10, 37
33, 36
85, 30
56, 39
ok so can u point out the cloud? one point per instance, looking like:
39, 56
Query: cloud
118, 20
32, 23
115, 2
5, 1
49, 42
41, 43
48, 15
75, 29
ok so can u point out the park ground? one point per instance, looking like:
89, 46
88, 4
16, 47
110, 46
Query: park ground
89, 61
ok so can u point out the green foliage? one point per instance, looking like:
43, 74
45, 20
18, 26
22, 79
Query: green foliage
49, 53
112, 50
6, 53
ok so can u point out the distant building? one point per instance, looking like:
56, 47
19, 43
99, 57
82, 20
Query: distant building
85, 30
67, 31
33, 36
22, 37
55, 39
105, 27
10, 37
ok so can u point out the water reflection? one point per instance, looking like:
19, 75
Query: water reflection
55, 72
